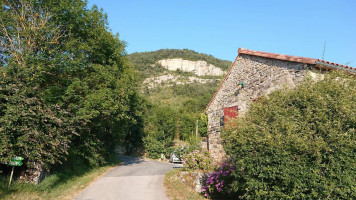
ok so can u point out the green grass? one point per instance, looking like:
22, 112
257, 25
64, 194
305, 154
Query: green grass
176, 190
65, 183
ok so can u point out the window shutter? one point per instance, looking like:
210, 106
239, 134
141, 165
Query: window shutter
230, 113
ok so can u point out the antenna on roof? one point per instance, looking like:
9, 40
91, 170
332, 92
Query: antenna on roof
322, 57
348, 62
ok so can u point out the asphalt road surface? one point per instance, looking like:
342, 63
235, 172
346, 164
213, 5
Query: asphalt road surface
136, 179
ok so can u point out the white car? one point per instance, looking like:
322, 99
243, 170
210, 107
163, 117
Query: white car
174, 158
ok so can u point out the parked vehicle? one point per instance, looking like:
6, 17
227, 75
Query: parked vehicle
174, 158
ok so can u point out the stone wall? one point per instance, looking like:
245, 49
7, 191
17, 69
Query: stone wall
34, 175
260, 76
194, 180
204, 143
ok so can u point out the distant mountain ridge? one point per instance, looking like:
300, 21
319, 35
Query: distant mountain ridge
186, 54
154, 63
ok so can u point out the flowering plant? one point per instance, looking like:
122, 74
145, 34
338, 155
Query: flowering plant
198, 159
218, 183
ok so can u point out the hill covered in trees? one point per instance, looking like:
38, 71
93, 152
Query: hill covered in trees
176, 92
146, 62
174, 105
147, 58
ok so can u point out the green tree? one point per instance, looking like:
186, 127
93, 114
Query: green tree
29, 128
62, 62
160, 129
203, 125
187, 125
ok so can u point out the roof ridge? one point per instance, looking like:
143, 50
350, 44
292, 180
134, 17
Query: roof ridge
288, 57
312, 61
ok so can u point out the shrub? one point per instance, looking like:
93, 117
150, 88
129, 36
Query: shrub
29, 128
218, 184
153, 146
298, 144
198, 159
160, 127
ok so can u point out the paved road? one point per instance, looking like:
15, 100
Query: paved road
136, 179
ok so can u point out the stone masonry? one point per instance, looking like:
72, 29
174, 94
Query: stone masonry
195, 180
261, 75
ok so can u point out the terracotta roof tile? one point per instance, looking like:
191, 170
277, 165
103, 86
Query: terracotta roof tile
288, 57
336, 64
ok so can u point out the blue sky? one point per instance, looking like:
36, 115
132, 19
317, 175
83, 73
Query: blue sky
220, 27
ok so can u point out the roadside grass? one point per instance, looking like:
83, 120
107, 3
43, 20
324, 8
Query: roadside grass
65, 183
176, 190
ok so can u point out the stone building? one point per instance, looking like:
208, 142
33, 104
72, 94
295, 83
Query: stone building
252, 75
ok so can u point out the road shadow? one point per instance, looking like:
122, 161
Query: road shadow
130, 160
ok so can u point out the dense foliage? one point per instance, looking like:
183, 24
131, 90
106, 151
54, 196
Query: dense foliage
160, 128
32, 129
173, 113
197, 160
65, 84
298, 144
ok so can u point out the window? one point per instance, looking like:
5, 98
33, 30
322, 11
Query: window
230, 113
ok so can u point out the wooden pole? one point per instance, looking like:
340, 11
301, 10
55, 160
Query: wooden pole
12, 173
196, 131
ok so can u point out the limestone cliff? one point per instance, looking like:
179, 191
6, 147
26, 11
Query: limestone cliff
200, 68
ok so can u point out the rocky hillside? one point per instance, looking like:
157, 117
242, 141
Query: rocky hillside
167, 67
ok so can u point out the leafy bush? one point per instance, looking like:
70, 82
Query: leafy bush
154, 147
29, 128
218, 185
198, 159
160, 127
187, 126
298, 144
